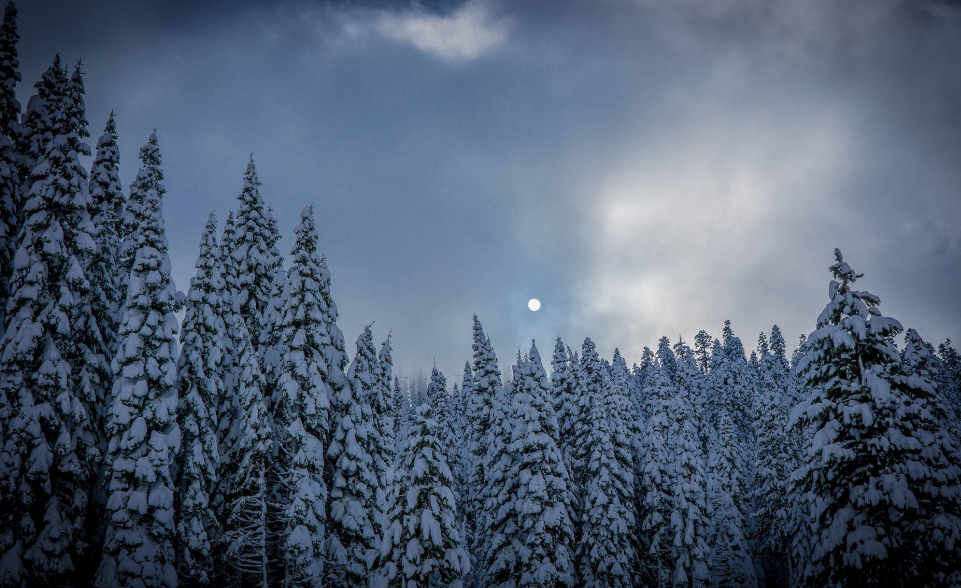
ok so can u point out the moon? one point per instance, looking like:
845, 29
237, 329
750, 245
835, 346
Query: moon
534, 304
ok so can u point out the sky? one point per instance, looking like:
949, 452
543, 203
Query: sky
644, 168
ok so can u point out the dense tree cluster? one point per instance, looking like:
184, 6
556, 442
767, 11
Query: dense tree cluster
243, 446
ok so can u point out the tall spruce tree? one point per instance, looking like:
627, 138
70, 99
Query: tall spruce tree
606, 556
886, 496
352, 539
199, 390
774, 456
255, 253
422, 547
10, 203
52, 365
144, 434
658, 495
540, 483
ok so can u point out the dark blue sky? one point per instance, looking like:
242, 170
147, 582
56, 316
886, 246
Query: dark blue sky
643, 167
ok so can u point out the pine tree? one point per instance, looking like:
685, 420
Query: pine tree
702, 351
400, 406
52, 370
773, 459
352, 541
540, 483
255, 253
149, 178
423, 547
107, 203
144, 434
382, 440
199, 389
306, 387
244, 438
564, 391
688, 517
885, 493
658, 495
606, 545
10, 204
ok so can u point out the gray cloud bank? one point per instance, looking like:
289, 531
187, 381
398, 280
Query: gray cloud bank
644, 168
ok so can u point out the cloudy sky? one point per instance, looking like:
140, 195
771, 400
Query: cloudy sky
645, 168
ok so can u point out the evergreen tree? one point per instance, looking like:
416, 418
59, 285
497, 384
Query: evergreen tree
497, 520
658, 494
540, 483
688, 517
199, 389
144, 434
306, 386
400, 406
422, 548
352, 540
702, 351
149, 178
10, 204
106, 210
52, 367
255, 253
885, 509
440, 401
383, 442
773, 459
245, 447
606, 546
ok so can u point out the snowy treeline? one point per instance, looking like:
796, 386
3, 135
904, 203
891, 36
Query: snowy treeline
244, 446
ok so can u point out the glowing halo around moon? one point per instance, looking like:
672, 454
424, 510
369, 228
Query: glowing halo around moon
534, 304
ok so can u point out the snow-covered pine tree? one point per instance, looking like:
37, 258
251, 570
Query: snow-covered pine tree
498, 519
150, 177
302, 410
106, 210
440, 401
886, 497
631, 415
689, 524
564, 390
702, 350
255, 253
949, 386
245, 442
658, 495
774, 458
352, 540
270, 334
53, 369
36, 127
144, 434
665, 358
605, 549
383, 442
400, 407
10, 203
736, 384
423, 547
199, 390
540, 483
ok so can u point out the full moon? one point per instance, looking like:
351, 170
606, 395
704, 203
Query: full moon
534, 304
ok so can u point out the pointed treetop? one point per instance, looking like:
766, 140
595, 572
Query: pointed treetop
111, 126
777, 341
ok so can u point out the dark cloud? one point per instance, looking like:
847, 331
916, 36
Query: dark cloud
643, 168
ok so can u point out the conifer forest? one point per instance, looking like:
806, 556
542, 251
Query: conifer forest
226, 432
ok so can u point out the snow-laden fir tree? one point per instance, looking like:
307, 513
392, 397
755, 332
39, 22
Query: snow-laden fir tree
605, 549
302, 409
564, 392
36, 127
630, 413
689, 524
150, 177
352, 540
774, 457
658, 495
255, 253
439, 399
886, 496
383, 442
144, 435
199, 390
540, 483
423, 547
10, 204
400, 408
52, 366
665, 358
106, 210
949, 386
245, 442
270, 335
735, 384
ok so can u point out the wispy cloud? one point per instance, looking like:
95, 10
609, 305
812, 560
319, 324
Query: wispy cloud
465, 34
